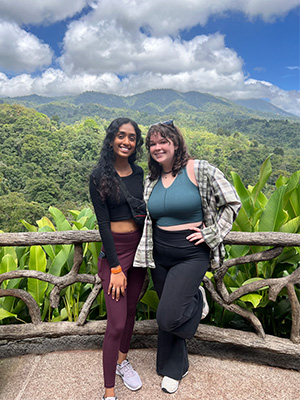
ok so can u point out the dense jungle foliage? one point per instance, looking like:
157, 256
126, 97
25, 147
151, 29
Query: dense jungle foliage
45, 162
44, 170
280, 212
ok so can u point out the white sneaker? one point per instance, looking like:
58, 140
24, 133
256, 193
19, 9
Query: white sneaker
130, 377
205, 309
109, 398
170, 385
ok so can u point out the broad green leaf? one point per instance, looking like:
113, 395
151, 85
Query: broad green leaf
60, 220
289, 256
292, 205
63, 315
12, 251
102, 305
37, 262
273, 216
242, 192
264, 174
282, 308
243, 222
74, 213
292, 226
151, 299
5, 314
281, 181
94, 248
256, 279
60, 260
45, 309
50, 250
252, 298
238, 251
80, 223
263, 200
292, 184
8, 263
29, 227
45, 222
85, 212
37, 259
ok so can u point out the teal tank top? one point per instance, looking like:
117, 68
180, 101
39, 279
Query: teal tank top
178, 204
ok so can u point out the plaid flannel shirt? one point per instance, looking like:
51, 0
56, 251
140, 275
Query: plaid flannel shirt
220, 204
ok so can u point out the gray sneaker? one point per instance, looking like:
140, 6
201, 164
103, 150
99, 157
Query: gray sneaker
205, 309
130, 377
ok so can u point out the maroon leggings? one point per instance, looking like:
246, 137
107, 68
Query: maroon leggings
120, 314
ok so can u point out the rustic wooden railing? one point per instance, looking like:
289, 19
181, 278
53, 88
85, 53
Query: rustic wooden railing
219, 293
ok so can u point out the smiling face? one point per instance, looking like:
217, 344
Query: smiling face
125, 141
162, 150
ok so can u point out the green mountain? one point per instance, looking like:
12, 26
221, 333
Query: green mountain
157, 102
264, 106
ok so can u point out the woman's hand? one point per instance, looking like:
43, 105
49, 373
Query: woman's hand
197, 235
117, 285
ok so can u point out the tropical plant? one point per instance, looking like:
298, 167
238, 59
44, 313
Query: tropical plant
279, 213
56, 260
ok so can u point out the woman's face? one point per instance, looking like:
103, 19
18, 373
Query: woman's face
125, 141
162, 150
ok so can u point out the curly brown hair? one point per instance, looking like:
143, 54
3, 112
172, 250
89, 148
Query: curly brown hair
181, 156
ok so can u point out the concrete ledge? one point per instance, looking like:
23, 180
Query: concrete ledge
223, 351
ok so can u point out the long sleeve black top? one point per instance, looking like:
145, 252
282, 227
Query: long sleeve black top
113, 210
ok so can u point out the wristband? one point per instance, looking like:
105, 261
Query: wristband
116, 271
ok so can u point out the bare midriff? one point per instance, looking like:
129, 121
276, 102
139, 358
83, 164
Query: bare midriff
125, 226
180, 227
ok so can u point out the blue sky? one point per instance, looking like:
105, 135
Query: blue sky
237, 49
268, 49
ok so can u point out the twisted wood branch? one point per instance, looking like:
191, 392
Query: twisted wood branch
34, 309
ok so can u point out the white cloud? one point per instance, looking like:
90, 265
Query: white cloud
38, 12
20, 50
170, 16
286, 100
268, 9
55, 82
107, 47
129, 46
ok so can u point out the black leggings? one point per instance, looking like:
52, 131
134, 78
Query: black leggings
180, 268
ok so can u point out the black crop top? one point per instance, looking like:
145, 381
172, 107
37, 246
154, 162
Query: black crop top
111, 210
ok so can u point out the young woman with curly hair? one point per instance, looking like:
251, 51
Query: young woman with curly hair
120, 237
191, 208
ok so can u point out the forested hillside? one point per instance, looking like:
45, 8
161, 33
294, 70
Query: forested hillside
44, 161
159, 101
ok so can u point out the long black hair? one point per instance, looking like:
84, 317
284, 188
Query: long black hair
104, 174
181, 155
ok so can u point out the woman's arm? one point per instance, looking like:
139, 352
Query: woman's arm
118, 281
103, 219
221, 203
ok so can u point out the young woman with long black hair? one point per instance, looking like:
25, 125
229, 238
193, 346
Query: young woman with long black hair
120, 237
